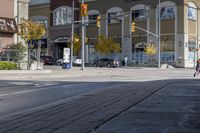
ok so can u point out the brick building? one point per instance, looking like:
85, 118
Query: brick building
10, 14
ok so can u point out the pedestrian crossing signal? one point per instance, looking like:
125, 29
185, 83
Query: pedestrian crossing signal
133, 26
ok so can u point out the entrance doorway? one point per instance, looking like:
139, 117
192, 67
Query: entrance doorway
138, 55
59, 47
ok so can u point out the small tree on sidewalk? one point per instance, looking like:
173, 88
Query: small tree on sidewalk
76, 45
150, 50
107, 45
30, 31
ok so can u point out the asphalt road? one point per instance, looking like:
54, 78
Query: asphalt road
101, 101
17, 96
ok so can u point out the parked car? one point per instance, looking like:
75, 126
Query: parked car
47, 60
76, 62
59, 62
106, 62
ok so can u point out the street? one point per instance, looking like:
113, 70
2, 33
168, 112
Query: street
101, 100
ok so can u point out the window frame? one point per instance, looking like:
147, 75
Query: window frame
64, 15
192, 17
93, 20
114, 19
166, 17
140, 17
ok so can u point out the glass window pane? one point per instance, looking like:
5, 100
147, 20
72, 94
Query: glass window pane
167, 13
63, 15
192, 13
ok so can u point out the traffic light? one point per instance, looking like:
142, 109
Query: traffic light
84, 10
86, 39
98, 21
133, 26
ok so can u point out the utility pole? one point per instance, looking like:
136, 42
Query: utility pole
159, 34
83, 40
72, 36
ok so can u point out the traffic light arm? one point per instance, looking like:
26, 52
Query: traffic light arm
147, 31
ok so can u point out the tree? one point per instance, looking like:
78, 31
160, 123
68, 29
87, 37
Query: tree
150, 49
76, 44
30, 31
107, 45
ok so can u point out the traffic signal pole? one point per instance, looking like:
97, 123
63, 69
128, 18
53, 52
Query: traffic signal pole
72, 36
83, 40
159, 34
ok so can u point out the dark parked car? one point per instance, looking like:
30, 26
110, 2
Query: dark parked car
48, 60
106, 62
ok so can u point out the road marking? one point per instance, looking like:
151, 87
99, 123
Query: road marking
4, 95
33, 90
20, 83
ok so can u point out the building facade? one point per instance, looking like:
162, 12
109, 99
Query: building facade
8, 25
60, 30
39, 11
179, 28
10, 14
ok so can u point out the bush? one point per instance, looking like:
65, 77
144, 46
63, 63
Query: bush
8, 66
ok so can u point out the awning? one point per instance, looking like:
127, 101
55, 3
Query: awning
8, 25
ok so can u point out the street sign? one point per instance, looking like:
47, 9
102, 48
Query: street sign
66, 55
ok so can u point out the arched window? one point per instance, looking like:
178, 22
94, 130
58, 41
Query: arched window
92, 16
167, 10
138, 12
192, 11
63, 15
114, 15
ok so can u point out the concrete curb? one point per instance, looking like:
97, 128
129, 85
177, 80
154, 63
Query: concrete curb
24, 71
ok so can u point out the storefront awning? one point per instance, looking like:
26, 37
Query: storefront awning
8, 25
62, 40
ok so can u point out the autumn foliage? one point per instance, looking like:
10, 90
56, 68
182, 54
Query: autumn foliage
107, 45
29, 30
150, 49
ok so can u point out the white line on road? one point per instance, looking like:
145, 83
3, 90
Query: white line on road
27, 91
4, 94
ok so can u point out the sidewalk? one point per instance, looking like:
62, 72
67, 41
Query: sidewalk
153, 107
97, 74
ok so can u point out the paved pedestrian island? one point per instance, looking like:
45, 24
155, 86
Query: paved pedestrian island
167, 106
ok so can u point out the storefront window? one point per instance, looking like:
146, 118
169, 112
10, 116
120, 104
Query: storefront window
138, 15
114, 17
62, 16
167, 13
167, 51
